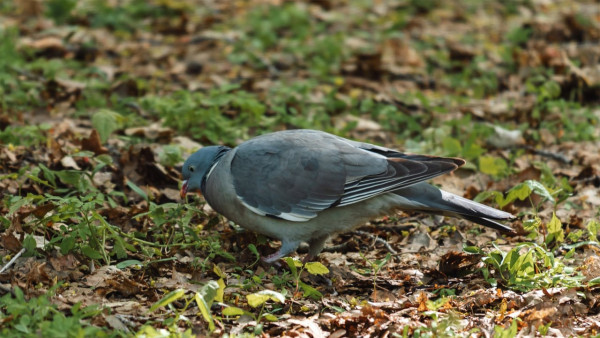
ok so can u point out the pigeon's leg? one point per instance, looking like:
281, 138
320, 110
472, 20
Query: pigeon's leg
286, 248
315, 246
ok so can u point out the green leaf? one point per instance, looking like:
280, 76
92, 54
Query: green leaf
90, 154
60, 10
491, 165
220, 290
539, 189
451, 146
381, 262
137, 189
520, 191
17, 203
270, 317
128, 263
106, 122
472, 150
90, 252
48, 174
119, 248
168, 299
253, 249
170, 155
293, 264
522, 265
570, 254
67, 244
71, 177
555, 231
209, 292
219, 272
532, 224
594, 281
103, 158
204, 299
29, 245
256, 300
472, 249
232, 311
523, 190
309, 291
511, 332
259, 298
340, 309
316, 268
486, 275
593, 228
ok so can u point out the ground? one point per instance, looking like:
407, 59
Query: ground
101, 101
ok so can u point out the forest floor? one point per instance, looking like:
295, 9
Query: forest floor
101, 101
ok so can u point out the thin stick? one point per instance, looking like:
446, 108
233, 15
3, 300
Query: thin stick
387, 245
544, 153
12, 260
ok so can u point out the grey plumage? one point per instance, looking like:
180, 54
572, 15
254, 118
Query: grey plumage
304, 185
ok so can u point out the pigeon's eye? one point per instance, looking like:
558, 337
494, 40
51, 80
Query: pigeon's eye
191, 169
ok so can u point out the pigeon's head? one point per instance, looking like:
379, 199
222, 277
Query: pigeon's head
198, 166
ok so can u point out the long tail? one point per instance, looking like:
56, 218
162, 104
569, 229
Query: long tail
429, 199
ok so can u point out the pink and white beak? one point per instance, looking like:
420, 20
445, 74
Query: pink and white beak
184, 189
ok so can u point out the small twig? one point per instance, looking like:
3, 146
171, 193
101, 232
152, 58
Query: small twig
6, 289
3, 288
129, 318
593, 179
376, 239
568, 247
28, 74
338, 247
544, 153
11, 262
399, 228
273, 71
127, 322
415, 252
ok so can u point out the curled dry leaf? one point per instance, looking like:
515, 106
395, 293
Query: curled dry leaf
458, 264
93, 143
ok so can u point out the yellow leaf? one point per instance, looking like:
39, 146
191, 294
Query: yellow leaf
492, 165
259, 298
232, 311
270, 317
205, 311
219, 272
220, 291
555, 229
256, 300
168, 299
316, 268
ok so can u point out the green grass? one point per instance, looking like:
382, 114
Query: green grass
22, 317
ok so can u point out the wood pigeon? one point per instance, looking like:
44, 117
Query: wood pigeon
305, 185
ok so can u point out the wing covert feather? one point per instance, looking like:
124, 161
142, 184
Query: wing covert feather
296, 174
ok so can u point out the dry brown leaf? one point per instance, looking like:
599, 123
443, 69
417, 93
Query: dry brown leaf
422, 299
93, 143
11, 243
458, 264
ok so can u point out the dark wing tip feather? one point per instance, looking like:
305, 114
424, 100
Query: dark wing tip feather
458, 161
428, 158
432, 167
408, 167
401, 172
489, 223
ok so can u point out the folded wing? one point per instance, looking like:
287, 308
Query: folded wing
296, 174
